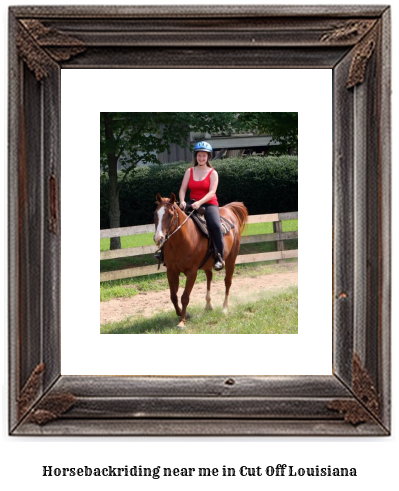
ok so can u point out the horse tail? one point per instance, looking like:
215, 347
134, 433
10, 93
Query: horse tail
240, 211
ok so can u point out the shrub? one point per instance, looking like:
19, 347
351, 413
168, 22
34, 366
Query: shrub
264, 184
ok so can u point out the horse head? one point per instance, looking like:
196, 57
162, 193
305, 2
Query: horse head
165, 217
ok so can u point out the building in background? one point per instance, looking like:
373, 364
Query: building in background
237, 145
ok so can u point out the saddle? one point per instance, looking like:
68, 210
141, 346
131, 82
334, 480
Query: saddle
199, 220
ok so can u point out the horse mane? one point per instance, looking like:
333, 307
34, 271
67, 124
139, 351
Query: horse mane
240, 211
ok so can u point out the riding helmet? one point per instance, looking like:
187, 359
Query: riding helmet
203, 147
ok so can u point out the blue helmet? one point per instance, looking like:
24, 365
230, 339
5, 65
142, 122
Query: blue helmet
203, 147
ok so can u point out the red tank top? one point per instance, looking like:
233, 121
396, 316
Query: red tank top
198, 189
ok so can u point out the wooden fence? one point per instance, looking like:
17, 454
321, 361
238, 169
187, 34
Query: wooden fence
278, 236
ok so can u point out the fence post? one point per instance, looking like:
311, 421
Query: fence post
278, 229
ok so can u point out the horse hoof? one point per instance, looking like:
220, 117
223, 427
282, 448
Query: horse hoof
208, 306
188, 316
225, 310
181, 325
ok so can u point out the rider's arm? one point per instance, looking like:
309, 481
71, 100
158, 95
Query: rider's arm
183, 189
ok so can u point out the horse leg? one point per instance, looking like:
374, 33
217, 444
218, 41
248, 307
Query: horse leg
228, 279
191, 276
209, 274
173, 280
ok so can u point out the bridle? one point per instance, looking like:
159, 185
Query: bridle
175, 218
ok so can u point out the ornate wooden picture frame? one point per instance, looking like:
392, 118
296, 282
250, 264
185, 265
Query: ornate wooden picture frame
352, 41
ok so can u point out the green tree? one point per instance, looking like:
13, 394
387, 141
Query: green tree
281, 126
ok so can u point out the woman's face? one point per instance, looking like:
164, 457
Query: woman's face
202, 158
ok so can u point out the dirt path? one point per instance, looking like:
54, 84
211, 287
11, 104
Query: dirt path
242, 290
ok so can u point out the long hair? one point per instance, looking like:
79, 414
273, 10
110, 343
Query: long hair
208, 163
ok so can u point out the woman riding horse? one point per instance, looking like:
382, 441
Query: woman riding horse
203, 184
184, 246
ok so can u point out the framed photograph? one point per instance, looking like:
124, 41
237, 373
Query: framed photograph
255, 183
350, 42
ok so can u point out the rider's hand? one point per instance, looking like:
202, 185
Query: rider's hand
195, 205
183, 205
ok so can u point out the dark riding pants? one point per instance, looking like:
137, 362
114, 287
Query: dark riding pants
212, 218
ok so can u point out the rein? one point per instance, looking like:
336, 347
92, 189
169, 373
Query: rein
180, 226
168, 236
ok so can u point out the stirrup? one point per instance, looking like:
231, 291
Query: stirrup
219, 264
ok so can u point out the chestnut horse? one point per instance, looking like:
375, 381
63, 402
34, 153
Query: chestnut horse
185, 248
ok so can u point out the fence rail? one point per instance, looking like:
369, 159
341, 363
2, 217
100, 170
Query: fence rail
278, 236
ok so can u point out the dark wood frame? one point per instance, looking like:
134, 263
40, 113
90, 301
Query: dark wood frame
353, 41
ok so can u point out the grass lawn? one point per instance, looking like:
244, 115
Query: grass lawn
276, 313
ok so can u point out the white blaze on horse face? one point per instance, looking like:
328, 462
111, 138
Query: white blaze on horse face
159, 236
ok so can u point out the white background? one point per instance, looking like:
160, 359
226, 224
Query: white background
308, 92
375, 458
